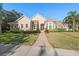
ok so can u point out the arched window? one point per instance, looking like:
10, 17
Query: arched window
50, 25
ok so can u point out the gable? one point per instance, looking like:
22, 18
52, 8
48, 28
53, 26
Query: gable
23, 19
38, 17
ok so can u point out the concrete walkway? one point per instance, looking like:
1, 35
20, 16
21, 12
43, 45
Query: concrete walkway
42, 47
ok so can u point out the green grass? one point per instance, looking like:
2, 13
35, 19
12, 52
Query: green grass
65, 40
18, 38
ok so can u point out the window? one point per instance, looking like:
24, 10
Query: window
50, 25
26, 25
21, 25
35, 26
42, 26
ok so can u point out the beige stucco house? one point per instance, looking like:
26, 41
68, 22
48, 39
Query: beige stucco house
22, 24
38, 22
53, 24
50, 24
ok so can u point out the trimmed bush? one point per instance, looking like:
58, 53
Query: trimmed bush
61, 29
47, 31
33, 31
55, 30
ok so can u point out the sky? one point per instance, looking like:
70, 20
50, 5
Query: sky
55, 11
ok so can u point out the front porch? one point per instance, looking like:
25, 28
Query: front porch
36, 26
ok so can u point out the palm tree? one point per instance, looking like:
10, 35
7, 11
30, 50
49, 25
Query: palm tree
73, 15
77, 22
68, 20
72, 19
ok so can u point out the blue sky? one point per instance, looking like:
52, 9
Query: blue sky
56, 11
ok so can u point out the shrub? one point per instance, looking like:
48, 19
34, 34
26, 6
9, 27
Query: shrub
61, 29
35, 31
55, 30
46, 30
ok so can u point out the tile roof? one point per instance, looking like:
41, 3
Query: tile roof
58, 23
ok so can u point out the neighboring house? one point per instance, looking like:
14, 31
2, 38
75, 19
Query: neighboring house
37, 22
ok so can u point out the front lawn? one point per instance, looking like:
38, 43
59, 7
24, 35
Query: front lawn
18, 38
65, 40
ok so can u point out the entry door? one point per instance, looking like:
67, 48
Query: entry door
42, 26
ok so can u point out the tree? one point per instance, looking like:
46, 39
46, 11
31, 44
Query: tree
8, 16
0, 18
72, 19
0, 24
73, 15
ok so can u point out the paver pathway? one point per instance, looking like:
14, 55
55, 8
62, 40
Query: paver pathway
42, 47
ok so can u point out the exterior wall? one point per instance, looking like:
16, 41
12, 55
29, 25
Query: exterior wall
13, 26
24, 21
34, 25
48, 24
40, 19
66, 27
58, 26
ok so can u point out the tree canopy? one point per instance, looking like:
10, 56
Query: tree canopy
8, 16
72, 19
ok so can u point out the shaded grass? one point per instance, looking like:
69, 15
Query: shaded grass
66, 40
17, 38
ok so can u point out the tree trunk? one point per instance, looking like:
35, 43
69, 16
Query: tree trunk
0, 24
0, 29
77, 27
73, 25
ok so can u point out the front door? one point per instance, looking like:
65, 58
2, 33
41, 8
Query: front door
42, 26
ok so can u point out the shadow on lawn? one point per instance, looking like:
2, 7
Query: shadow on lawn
71, 36
6, 48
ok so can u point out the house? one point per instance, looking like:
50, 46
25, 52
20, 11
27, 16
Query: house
37, 22
53, 24
22, 24
50, 24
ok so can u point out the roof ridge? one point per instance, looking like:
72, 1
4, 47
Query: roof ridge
38, 14
20, 18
